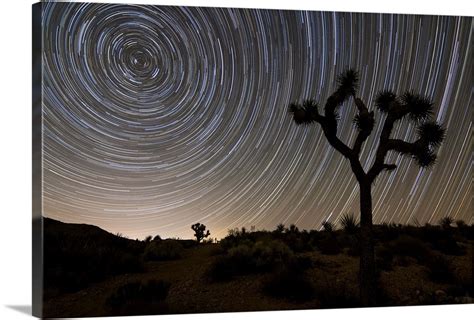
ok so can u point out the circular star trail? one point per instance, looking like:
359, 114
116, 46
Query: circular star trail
155, 118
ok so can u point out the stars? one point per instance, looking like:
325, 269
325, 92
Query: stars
158, 117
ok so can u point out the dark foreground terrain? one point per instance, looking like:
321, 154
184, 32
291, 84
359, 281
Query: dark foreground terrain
90, 272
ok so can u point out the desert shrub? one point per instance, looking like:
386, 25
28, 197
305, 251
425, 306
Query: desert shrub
163, 250
439, 268
383, 258
76, 256
431, 233
460, 290
387, 232
354, 246
409, 246
290, 284
137, 297
267, 254
446, 222
297, 241
460, 223
336, 294
349, 223
233, 241
292, 229
416, 223
467, 232
262, 256
329, 246
216, 250
122, 263
448, 245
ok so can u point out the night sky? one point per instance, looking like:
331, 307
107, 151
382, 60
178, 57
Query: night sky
155, 118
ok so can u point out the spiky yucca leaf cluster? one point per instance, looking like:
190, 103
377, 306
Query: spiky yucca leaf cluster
431, 133
364, 121
304, 114
384, 100
430, 136
419, 107
348, 82
349, 222
347, 86
425, 157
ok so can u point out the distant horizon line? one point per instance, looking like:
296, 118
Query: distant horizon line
120, 234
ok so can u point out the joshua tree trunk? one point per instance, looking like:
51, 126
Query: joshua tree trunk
367, 257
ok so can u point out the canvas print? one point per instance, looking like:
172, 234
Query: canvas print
195, 160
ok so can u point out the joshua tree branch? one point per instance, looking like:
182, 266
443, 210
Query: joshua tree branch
330, 129
382, 149
365, 123
389, 166
402, 146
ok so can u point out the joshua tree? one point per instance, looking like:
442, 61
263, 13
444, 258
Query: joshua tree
200, 231
409, 106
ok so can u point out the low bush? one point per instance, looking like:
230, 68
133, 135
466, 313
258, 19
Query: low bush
354, 246
135, 298
262, 256
460, 223
288, 283
448, 245
383, 258
336, 294
446, 222
76, 255
328, 226
163, 250
329, 246
439, 268
410, 246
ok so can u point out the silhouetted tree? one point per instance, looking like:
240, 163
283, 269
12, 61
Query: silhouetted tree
200, 231
292, 229
410, 106
280, 228
148, 239
446, 222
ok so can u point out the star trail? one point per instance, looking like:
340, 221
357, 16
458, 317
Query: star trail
155, 118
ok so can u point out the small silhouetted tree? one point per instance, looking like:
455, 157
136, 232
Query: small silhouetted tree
409, 106
446, 222
200, 231
280, 228
292, 229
